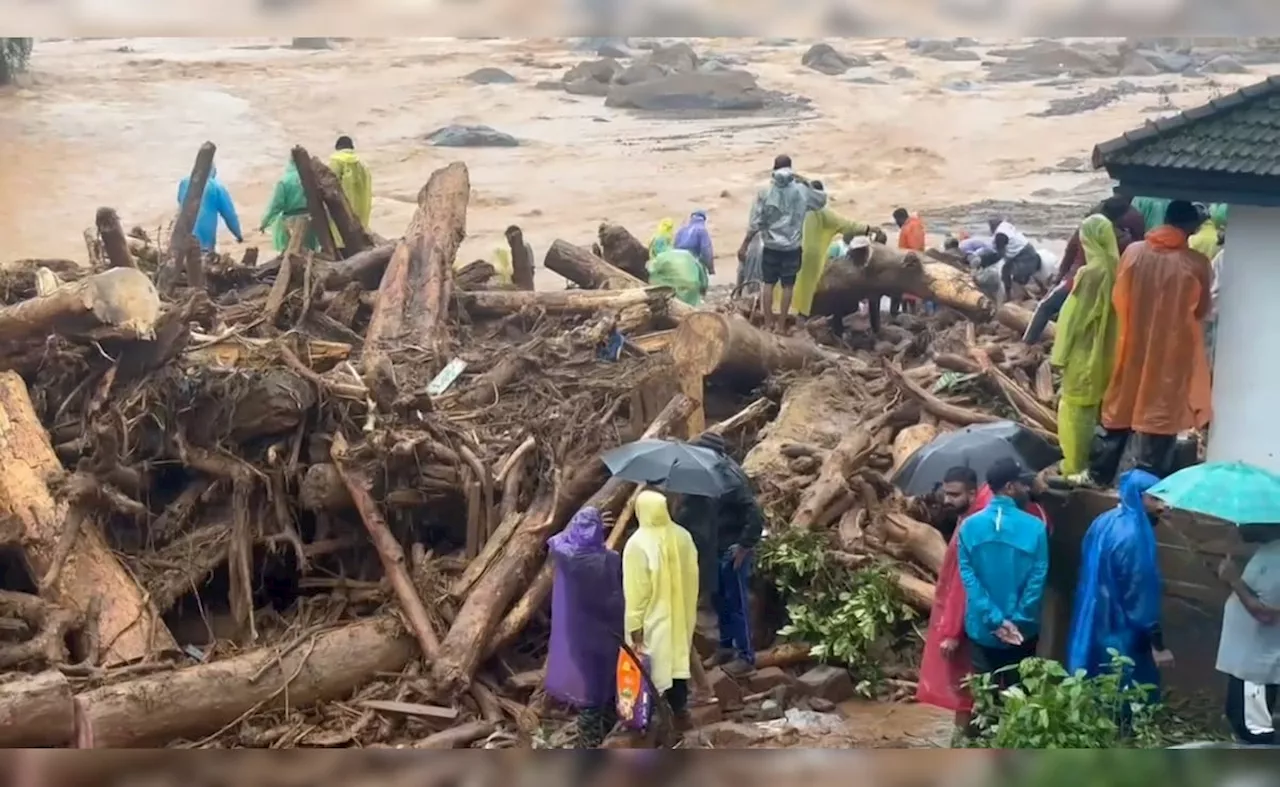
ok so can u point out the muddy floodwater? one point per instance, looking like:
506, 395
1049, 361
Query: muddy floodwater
117, 122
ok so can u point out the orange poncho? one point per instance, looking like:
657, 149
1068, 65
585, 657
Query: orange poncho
1160, 381
911, 235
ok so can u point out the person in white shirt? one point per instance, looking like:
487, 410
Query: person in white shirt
1021, 260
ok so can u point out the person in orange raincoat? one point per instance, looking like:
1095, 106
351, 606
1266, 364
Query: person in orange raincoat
1160, 379
946, 662
910, 238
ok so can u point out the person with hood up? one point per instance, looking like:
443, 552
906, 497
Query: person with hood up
726, 530
1086, 342
287, 211
681, 271
694, 237
947, 662
660, 588
778, 215
357, 183
663, 237
821, 225
586, 625
1118, 595
215, 203
1159, 383
1003, 556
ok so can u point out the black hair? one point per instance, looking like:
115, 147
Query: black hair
961, 475
1114, 208
512, 230
1183, 215
344, 143
901, 214
782, 161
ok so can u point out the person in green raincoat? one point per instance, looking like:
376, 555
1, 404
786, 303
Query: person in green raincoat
288, 201
821, 227
681, 271
1086, 342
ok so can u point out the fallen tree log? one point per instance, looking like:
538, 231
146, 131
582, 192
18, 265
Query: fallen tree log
365, 267
916, 591
910, 440
320, 225
921, 541
1013, 316
735, 352
521, 259
130, 629
114, 244
891, 272
499, 303
586, 270
351, 231
941, 410
118, 303
622, 250
413, 298
850, 453
35, 710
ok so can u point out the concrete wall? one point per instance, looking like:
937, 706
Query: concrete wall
1246, 374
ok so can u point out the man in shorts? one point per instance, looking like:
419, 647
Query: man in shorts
778, 218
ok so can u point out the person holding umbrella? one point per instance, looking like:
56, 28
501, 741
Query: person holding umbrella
1003, 554
1118, 596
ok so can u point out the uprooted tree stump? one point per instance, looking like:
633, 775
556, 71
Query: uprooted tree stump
623, 250
891, 272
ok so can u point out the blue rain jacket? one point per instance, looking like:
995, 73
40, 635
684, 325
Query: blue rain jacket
1117, 603
1004, 561
215, 202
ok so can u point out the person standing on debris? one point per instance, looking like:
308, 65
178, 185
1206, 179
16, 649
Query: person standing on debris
287, 212
820, 227
947, 661
586, 625
357, 183
1159, 383
778, 215
660, 586
1249, 648
1128, 226
1020, 258
911, 237
1118, 595
1003, 554
694, 237
663, 237
725, 531
215, 203
1086, 342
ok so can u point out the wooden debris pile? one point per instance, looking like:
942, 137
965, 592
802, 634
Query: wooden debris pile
304, 501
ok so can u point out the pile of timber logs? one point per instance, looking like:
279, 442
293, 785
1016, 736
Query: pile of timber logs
304, 500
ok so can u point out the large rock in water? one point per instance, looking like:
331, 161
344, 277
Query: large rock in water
456, 136
1223, 64
490, 76
825, 59
722, 92
591, 78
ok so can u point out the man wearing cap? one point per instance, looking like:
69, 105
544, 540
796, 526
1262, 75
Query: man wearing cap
1004, 561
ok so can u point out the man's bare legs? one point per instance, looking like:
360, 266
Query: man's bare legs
786, 308
766, 302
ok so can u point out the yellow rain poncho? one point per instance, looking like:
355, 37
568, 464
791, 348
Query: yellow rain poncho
820, 228
660, 585
663, 238
1086, 342
1205, 240
356, 182
502, 267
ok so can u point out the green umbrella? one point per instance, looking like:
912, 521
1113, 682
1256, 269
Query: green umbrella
1232, 491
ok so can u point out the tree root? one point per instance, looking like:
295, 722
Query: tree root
51, 624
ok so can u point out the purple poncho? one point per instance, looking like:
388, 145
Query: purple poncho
695, 238
586, 614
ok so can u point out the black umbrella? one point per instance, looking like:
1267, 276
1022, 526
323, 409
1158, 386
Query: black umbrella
977, 447
676, 467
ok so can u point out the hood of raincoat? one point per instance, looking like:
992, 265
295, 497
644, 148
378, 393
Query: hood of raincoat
779, 210
1118, 596
346, 156
1167, 238
583, 535
698, 216
651, 510
1087, 327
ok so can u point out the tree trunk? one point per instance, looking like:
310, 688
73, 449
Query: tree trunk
35, 710
315, 202
1013, 316
197, 701
910, 440
118, 303
181, 254
365, 267
113, 239
521, 261
623, 250
587, 270
844, 459
355, 238
128, 624
916, 591
736, 352
922, 542
891, 272
500, 303
943, 411
413, 298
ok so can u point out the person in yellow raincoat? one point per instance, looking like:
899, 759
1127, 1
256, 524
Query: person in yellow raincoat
356, 181
663, 238
1086, 342
1160, 382
1205, 239
681, 271
660, 588
820, 228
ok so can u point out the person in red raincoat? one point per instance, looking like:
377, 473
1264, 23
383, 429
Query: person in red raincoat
946, 662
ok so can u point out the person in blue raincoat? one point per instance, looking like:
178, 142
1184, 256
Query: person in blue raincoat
214, 203
1117, 605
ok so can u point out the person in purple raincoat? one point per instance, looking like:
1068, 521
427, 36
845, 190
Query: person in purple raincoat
587, 613
695, 238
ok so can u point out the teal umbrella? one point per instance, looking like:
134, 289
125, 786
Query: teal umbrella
1232, 491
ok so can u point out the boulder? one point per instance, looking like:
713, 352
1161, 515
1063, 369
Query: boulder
767, 679
727, 691
1167, 62
310, 43
1223, 64
591, 78
675, 59
490, 76
639, 72
458, 136
827, 682
1133, 64
725, 735
938, 49
825, 59
902, 72
727, 91
613, 50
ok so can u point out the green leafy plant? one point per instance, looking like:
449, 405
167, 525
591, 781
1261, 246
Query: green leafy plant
848, 616
14, 54
1053, 709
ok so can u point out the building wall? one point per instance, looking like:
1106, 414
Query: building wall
1246, 370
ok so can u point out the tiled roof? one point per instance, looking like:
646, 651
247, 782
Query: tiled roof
1237, 134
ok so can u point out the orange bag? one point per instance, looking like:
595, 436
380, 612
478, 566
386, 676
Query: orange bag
635, 701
